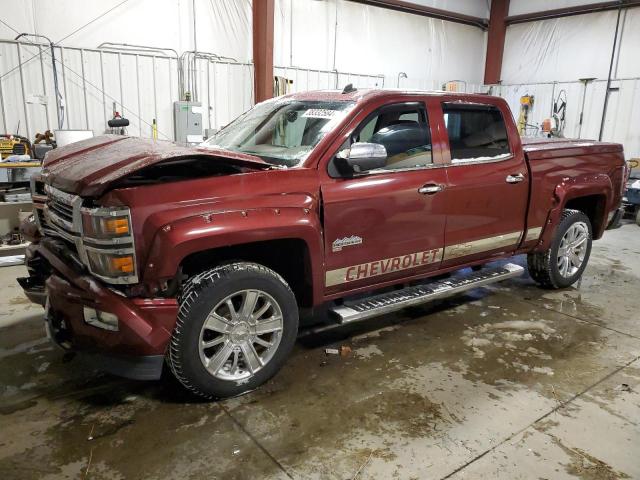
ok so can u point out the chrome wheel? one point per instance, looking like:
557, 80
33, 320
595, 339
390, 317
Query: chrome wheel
572, 249
240, 335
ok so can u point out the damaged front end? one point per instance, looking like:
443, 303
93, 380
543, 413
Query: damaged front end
84, 264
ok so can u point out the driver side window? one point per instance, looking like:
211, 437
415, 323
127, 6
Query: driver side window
403, 130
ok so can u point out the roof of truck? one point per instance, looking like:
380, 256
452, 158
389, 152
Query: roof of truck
361, 94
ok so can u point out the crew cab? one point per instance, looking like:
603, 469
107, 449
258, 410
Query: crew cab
149, 255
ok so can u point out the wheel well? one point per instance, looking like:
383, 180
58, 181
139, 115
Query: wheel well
593, 206
288, 257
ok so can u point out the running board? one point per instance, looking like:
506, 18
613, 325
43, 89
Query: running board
361, 309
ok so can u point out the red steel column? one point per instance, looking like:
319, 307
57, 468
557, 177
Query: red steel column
495, 41
263, 11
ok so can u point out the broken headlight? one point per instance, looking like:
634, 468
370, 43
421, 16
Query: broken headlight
107, 238
107, 224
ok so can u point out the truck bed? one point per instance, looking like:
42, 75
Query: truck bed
538, 148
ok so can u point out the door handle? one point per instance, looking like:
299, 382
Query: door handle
430, 189
517, 178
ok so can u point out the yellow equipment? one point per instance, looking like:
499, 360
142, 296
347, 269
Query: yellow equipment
14, 145
526, 104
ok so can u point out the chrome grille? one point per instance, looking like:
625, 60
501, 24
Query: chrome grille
61, 209
62, 212
60, 218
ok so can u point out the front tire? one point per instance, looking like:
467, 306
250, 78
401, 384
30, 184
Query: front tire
236, 325
564, 262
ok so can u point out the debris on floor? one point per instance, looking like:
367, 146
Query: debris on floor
343, 351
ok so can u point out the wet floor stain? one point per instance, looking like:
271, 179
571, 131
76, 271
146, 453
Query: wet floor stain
20, 300
587, 467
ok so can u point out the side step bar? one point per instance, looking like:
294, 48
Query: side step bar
361, 309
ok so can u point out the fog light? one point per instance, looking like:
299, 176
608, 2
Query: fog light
100, 319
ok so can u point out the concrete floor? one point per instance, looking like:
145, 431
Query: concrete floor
506, 382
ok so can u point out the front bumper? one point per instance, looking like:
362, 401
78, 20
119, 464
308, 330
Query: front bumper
135, 350
33, 288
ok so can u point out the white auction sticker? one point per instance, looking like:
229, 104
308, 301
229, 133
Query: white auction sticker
320, 113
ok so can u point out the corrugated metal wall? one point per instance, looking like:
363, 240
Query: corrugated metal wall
585, 101
313, 79
143, 86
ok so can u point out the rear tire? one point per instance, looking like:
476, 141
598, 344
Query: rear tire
564, 262
236, 325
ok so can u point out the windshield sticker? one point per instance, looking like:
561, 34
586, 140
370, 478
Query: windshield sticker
320, 113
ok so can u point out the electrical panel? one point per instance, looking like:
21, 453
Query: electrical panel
187, 119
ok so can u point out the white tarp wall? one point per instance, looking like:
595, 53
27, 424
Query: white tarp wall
223, 26
564, 50
351, 37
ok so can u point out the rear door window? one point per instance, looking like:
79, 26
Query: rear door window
476, 132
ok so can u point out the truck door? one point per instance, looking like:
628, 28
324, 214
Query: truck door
488, 183
388, 223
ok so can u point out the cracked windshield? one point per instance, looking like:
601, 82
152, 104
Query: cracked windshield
282, 133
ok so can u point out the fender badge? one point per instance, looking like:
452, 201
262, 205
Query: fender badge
339, 243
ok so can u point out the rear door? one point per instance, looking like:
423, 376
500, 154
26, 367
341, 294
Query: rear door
383, 225
488, 183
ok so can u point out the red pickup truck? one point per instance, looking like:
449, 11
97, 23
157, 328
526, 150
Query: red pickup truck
202, 258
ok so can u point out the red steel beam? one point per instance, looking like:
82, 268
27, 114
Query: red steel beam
263, 11
495, 41
423, 10
570, 11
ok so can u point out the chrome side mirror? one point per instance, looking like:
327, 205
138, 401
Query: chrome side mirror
361, 157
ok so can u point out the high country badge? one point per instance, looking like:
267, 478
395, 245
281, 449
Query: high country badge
339, 243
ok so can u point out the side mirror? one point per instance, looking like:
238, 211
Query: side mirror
361, 157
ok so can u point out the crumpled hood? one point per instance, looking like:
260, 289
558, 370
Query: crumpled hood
88, 167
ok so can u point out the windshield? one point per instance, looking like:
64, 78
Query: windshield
281, 132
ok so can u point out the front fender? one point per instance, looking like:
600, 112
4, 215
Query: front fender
572, 188
179, 239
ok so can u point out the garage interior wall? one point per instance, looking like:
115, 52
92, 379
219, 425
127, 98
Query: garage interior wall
351, 37
144, 83
543, 58
318, 44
